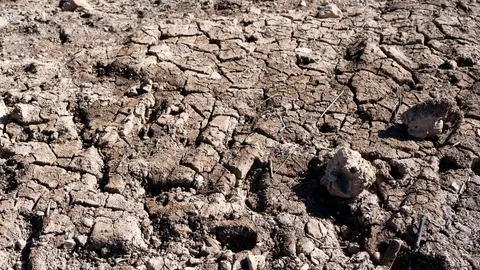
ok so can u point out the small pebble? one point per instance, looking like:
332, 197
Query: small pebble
69, 243
82, 240
20, 244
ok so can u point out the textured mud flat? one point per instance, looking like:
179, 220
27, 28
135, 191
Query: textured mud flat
194, 135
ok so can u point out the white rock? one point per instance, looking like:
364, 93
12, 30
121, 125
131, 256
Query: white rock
215, 76
81, 239
256, 262
3, 107
69, 243
20, 244
254, 10
198, 182
155, 263
455, 186
329, 11
3, 22
225, 265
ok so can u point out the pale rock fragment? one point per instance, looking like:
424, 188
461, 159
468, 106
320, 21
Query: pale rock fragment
123, 231
256, 262
26, 114
427, 119
72, 5
88, 161
348, 174
242, 161
329, 11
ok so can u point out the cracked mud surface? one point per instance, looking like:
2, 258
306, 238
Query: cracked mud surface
138, 135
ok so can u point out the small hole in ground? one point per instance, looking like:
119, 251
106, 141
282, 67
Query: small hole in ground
328, 128
448, 163
419, 262
396, 172
251, 39
236, 237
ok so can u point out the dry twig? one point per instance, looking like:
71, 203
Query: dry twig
283, 163
418, 239
270, 166
331, 104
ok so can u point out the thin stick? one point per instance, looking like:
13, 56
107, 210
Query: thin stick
331, 104
419, 233
455, 144
283, 163
270, 165
332, 247
460, 191
283, 124
267, 99
47, 213
416, 247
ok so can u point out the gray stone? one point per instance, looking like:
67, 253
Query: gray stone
391, 253
305, 246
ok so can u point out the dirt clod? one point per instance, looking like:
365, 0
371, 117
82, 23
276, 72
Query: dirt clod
348, 174
429, 119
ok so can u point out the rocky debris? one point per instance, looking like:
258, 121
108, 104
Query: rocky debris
121, 236
88, 161
391, 253
243, 160
348, 174
329, 11
27, 114
430, 118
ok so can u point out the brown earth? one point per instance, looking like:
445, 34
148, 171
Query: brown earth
138, 134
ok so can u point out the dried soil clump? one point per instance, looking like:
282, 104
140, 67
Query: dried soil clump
348, 174
431, 118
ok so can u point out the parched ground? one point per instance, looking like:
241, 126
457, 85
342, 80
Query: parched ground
140, 134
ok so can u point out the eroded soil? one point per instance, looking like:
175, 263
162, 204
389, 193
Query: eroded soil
138, 135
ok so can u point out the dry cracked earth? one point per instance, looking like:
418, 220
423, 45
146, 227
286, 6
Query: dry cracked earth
194, 134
